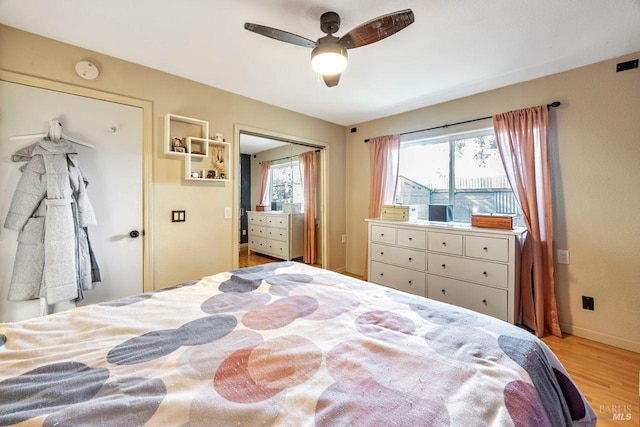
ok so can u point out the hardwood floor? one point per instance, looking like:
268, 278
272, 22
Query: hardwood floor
245, 260
607, 376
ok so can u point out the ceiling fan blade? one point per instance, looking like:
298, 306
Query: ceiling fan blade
331, 80
377, 29
283, 36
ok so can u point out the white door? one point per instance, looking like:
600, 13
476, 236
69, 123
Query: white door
113, 169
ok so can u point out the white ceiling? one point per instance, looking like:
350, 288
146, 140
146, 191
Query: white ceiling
252, 144
455, 47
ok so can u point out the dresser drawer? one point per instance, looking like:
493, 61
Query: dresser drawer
483, 299
258, 231
399, 256
383, 234
411, 281
277, 248
488, 273
257, 219
281, 234
412, 238
278, 221
491, 248
445, 242
257, 243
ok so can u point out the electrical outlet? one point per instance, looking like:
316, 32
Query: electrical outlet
227, 213
244, 232
587, 303
563, 256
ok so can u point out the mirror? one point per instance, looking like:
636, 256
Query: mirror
272, 187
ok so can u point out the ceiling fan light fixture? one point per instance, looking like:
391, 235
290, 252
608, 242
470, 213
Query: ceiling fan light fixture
328, 59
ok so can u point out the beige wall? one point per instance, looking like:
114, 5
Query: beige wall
595, 146
203, 244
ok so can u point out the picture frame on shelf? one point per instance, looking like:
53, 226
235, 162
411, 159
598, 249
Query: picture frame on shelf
178, 145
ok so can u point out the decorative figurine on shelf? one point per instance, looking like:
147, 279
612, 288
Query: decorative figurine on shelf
218, 160
177, 145
211, 174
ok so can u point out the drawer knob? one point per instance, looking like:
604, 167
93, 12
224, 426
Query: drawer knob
409, 281
444, 265
409, 258
381, 234
486, 249
410, 238
484, 301
382, 274
381, 253
443, 292
485, 273
444, 243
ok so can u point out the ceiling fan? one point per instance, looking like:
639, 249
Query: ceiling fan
329, 55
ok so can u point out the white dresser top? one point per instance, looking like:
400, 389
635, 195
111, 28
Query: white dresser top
453, 226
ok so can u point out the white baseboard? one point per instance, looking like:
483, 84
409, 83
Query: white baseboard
357, 272
600, 337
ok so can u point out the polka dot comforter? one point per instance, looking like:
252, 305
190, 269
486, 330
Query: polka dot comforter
280, 344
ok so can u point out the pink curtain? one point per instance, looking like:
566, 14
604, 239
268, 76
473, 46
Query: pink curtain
309, 166
264, 181
383, 159
523, 142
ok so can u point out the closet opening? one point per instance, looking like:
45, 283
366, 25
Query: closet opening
281, 199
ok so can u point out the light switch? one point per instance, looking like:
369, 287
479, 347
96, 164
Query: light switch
178, 216
227, 213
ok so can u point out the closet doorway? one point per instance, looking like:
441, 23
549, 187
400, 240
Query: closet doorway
280, 154
117, 169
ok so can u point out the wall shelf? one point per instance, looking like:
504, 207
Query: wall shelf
177, 130
214, 166
204, 159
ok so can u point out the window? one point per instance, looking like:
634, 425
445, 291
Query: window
286, 183
464, 170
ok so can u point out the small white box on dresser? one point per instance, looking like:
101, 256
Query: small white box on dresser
292, 208
459, 265
399, 212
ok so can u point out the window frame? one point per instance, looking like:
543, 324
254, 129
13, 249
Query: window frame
450, 139
290, 162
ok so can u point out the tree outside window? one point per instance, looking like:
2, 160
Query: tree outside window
286, 183
464, 170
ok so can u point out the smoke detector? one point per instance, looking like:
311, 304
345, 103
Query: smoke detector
87, 70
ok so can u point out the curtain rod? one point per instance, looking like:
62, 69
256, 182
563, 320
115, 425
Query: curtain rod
285, 158
549, 106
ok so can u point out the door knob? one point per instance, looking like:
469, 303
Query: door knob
134, 234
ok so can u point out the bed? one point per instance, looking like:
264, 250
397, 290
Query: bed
280, 344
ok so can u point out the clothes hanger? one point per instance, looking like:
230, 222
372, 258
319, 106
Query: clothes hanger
55, 133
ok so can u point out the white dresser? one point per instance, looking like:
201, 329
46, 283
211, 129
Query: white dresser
277, 234
475, 268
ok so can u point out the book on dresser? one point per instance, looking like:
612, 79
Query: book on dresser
276, 233
474, 268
